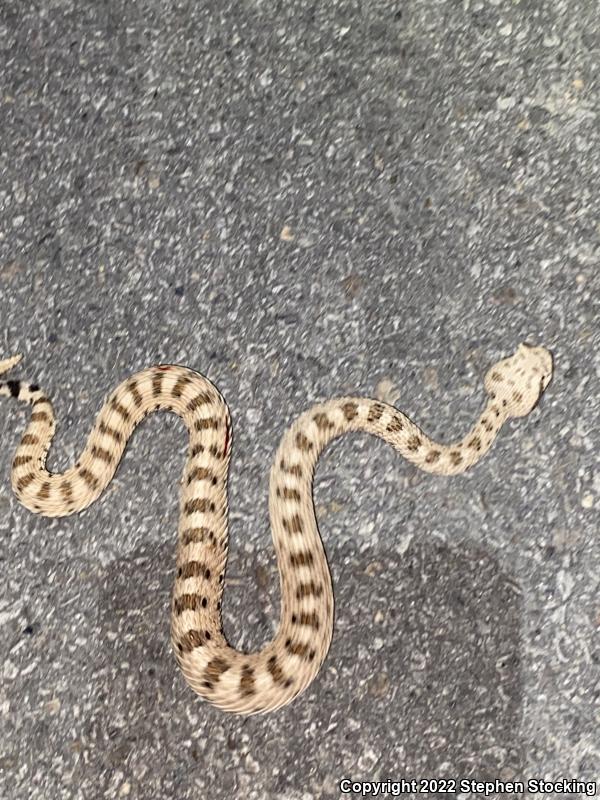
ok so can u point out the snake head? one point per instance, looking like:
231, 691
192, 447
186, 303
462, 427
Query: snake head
518, 382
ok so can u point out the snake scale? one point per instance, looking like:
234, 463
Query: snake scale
240, 682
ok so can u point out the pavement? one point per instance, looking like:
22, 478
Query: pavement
301, 201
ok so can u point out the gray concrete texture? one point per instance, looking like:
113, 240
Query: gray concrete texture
303, 200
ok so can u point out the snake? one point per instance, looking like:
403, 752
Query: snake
236, 681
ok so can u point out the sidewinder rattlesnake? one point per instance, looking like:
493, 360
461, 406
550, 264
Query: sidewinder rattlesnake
265, 680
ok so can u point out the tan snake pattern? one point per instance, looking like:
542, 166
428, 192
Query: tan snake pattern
262, 681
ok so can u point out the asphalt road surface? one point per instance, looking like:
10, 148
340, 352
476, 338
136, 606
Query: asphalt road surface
303, 200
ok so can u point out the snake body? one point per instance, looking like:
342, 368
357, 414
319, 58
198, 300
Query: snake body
235, 681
